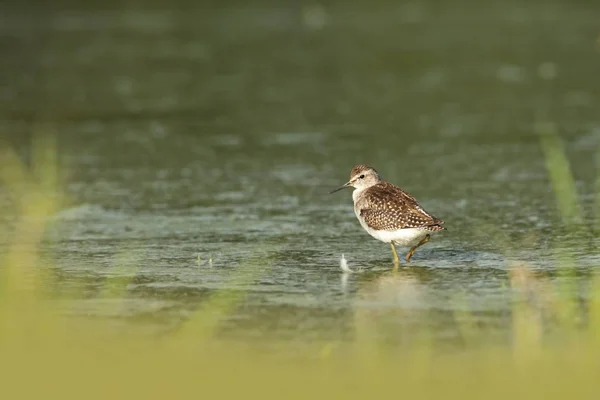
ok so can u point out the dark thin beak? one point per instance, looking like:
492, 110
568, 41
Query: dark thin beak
340, 188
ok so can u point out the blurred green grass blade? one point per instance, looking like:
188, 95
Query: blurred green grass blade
35, 203
124, 267
44, 166
560, 173
597, 188
204, 322
570, 211
123, 272
14, 176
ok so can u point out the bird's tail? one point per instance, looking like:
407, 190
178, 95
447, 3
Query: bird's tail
437, 225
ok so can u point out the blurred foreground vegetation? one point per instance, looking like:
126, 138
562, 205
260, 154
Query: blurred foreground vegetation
47, 353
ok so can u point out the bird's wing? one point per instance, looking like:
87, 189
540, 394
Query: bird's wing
391, 220
390, 208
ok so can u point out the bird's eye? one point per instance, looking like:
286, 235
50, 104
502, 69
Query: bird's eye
362, 176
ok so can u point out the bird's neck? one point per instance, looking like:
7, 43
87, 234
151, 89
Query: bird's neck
357, 192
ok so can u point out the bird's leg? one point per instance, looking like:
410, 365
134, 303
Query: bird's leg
412, 250
396, 258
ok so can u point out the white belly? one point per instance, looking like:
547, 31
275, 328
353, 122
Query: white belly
401, 237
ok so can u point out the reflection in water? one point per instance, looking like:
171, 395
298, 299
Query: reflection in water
398, 288
396, 306
391, 306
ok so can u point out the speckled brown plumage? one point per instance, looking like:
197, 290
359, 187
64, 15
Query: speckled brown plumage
387, 207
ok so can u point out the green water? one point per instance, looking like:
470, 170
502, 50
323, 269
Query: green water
201, 138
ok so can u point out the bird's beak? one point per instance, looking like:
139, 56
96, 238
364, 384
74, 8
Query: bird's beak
340, 188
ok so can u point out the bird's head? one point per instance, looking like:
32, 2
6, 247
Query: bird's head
361, 177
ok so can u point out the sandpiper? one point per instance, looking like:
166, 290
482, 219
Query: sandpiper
388, 213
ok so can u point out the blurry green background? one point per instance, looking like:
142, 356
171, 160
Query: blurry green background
199, 137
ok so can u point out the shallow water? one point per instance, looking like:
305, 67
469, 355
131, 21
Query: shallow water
196, 140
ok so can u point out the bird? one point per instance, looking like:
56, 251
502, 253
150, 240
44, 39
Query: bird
388, 213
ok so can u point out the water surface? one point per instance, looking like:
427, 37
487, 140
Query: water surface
196, 140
